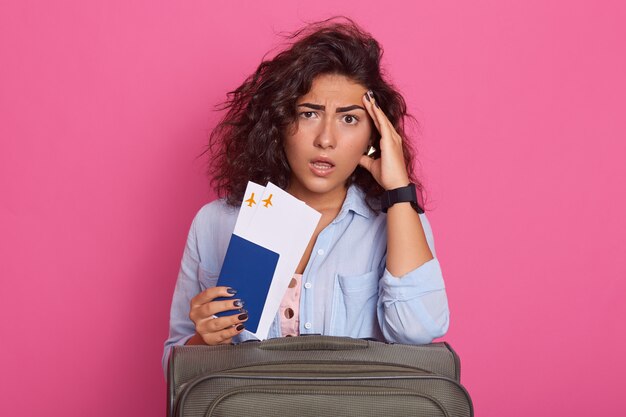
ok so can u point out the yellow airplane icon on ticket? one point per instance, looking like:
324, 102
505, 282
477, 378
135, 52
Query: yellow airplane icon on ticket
250, 201
268, 201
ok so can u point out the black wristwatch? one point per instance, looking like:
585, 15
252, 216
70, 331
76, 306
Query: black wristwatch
400, 195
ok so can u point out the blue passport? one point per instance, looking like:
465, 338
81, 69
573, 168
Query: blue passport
249, 269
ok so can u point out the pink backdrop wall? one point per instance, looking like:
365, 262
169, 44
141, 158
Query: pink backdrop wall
105, 105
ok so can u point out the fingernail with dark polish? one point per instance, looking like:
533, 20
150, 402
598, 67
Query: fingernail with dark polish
243, 311
231, 291
238, 303
367, 96
242, 317
376, 103
240, 327
370, 93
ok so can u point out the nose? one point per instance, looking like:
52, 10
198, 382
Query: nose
326, 136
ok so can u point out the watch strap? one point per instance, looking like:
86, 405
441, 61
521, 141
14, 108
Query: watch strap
407, 194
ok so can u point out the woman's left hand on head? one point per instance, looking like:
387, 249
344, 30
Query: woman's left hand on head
389, 170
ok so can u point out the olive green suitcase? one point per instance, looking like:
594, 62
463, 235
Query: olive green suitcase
316, 376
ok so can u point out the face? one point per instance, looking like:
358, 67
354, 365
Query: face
332, 132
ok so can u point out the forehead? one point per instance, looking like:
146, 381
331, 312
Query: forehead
333, 88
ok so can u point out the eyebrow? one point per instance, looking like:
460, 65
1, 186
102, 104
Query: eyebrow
339, 109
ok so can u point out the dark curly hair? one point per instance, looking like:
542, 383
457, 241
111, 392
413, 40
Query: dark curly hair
247, 144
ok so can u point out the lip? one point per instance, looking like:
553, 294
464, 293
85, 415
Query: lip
321, 172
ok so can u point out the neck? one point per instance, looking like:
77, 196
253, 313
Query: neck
330, 201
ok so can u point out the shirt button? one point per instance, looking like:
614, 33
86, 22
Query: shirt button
320, 252
307, 325
308, 285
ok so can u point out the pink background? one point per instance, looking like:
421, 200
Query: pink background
106, 105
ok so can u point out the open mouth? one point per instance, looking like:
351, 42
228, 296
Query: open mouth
321, 166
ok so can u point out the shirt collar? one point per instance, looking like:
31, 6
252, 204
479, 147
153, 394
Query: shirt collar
355, 201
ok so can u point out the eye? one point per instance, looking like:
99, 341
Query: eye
308, 114
350, 119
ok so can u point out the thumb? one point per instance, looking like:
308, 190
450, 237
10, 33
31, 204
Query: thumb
366, 162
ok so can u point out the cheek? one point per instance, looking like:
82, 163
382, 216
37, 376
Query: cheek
289, 144
365, 133
358, 142
292, 151
357, 150
352, 153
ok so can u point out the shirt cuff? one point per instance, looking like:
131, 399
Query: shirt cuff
244, 337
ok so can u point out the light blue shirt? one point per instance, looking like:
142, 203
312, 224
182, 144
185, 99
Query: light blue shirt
346, 288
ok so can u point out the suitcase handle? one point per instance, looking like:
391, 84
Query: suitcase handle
314, 343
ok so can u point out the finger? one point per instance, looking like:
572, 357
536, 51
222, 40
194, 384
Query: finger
207, 310
227, 341
215, 307
228, 334
213, 325
210, 294
366, 162
223, 336
385, 127
386, 131
369, 106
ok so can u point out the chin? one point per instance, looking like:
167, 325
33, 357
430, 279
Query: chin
321, 185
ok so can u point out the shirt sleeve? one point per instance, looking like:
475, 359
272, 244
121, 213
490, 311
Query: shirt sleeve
187, 287
413, 308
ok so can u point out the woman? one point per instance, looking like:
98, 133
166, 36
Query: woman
319, 121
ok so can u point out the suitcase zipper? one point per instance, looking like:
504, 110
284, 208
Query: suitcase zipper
335, 390
185, 389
